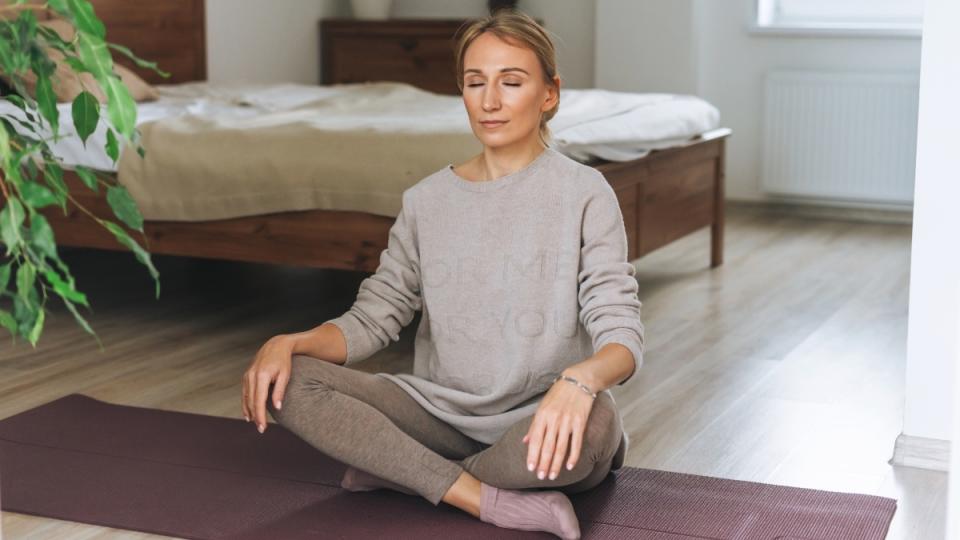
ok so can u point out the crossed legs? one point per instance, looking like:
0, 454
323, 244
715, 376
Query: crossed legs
370, 423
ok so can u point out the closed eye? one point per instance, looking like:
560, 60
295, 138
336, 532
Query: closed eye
481, 84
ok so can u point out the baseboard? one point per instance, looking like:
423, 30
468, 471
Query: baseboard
921, 452
823, 210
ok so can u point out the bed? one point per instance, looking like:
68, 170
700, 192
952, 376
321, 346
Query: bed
668, 192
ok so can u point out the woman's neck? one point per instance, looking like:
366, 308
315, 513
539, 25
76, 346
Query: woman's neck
494, 163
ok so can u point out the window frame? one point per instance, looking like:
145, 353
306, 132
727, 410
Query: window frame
764, 23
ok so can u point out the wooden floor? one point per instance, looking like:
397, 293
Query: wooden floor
785, 365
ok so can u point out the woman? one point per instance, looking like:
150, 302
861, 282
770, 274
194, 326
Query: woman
517, 260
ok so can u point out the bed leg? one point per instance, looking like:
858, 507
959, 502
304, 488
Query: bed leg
716, 229
716, 247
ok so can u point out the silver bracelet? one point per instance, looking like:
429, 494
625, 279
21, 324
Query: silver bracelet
578, 383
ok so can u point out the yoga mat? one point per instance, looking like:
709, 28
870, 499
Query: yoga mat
207, 477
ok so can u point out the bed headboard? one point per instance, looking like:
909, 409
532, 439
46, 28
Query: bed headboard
168, 32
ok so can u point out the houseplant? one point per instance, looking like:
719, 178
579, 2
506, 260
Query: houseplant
31, 177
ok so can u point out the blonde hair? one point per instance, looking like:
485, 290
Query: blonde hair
515, 27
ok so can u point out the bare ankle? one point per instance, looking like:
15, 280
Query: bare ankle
465, 494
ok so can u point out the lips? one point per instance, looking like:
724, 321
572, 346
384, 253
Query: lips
493, 123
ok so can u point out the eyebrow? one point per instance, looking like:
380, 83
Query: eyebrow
504, 70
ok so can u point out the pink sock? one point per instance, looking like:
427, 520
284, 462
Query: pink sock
359, 480
549, 511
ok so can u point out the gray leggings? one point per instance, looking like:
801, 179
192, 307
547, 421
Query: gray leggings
370, 423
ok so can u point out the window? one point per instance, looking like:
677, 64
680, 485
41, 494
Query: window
890, 17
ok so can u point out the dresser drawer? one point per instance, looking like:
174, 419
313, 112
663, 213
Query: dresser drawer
421, 61
415, 51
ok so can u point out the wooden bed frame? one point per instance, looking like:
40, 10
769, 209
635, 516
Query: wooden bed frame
664, 196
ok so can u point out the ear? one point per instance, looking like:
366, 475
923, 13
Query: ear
553, 94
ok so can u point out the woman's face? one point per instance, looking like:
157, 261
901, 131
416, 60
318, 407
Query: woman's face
505, 83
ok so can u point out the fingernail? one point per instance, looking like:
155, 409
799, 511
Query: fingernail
569, 466
247, 418
553, 476
279, 404
260, 428
540, 475
529, 466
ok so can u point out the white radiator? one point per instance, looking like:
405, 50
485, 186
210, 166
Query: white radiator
840, 136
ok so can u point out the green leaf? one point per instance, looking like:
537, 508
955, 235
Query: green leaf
94, 54
7, 321
60, 6
54, 176
138, 251
4, 145
86, 115
81, 320
47, 101
41, 236
11, 217
26, 276
65, 289
36, 195
40, 61
21, 154
53, 38
34, 334
139, 61
6, 54
87, 176
31, 127
124, 207
27, 26
16, 100
22, 310
85, 18
32, 168
5, 276
112, 146
121, 109
76, 64
66, 271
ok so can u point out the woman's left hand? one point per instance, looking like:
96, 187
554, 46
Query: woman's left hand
560, 420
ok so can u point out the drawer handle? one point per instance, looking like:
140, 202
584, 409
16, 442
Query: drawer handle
408, 44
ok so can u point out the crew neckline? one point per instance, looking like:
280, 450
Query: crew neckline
501, 181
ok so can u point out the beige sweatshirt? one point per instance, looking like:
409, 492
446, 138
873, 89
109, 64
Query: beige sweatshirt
517, 278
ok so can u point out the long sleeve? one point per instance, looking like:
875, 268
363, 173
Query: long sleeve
388, 299
609, 305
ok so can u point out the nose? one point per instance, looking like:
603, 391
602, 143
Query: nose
491, 98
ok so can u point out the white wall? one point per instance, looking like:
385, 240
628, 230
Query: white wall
258, 41
703, 47
953, 496
934, 322
647, 46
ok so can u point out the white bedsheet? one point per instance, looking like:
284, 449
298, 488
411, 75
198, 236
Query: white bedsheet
591, 123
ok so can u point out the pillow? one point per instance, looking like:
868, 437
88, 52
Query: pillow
67, 84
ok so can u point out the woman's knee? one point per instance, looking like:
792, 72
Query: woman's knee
309, 378
602, 434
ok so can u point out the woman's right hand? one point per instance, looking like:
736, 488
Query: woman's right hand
271, 365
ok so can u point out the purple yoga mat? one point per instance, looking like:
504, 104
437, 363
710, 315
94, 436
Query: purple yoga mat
198, 476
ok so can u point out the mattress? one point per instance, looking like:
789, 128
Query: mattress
216, 151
